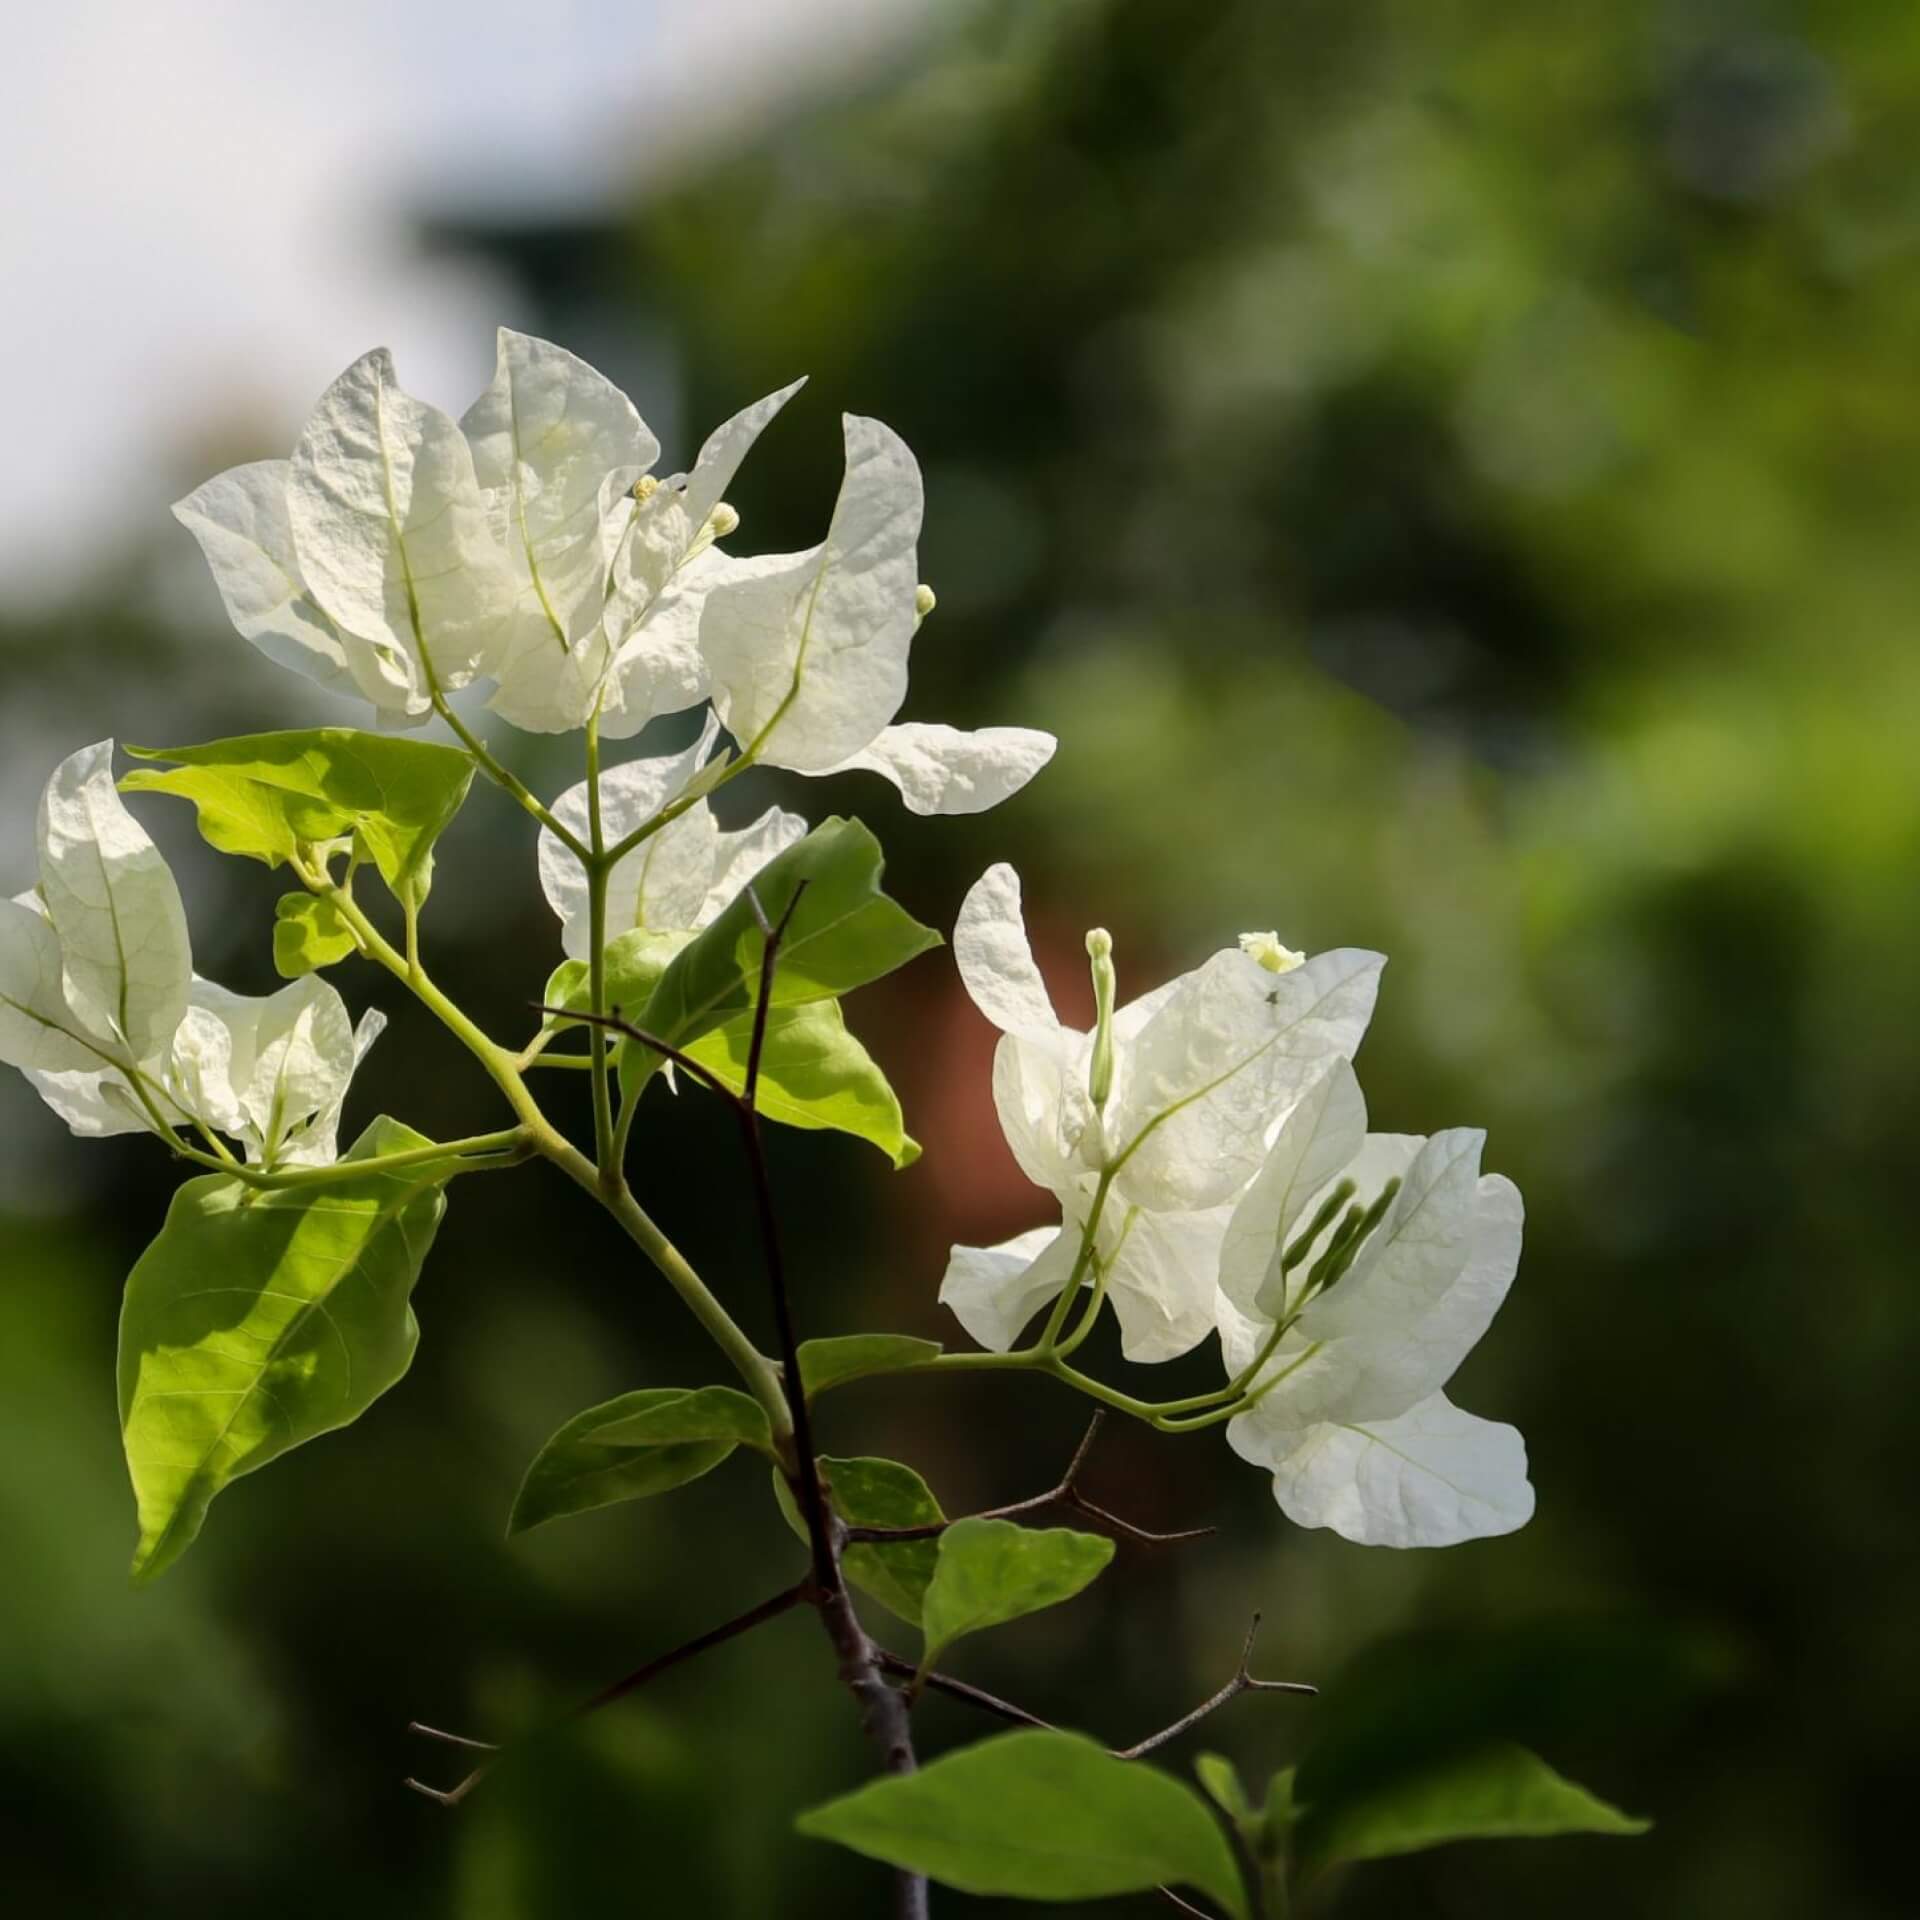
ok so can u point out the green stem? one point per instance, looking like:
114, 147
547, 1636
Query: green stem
674, 809
504, 777
510, 1142
597, 867
761, 1376
540, 1135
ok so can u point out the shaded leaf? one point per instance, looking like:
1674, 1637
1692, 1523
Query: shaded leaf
261, 794
256, 1321
1038, 1816
308, 933
634, 1446
868, 1492
991, 1571
853, 1356
1493, 1792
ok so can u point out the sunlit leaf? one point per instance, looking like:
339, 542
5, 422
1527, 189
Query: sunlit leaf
1493, 1792
832, 1363
844, 933
868, 1492
1038, 1816
813, 1073
261, 794
991, 1571
256, 1321
308, 933
634, 1446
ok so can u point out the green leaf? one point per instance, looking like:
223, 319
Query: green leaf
262, 794
308, 933
991, 1571
1038, 1816
844, 933
832, 1363
813, 1073
1221, 1780
867, 1492
634, 1446
1492, 1792
256, 1321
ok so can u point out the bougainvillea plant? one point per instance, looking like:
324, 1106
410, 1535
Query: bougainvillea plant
1207, 1142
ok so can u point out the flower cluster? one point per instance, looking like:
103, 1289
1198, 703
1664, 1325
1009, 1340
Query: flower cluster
1208, 1147
1206, 1144
102, 1010
399, 555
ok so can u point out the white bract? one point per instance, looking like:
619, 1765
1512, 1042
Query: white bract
102, 1011
1197, 1074
1359, 1270
678, 878
808, 651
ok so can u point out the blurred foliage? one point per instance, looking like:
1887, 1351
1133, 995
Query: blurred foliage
1448, 474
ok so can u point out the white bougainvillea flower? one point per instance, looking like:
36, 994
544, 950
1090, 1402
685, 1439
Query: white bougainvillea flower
808, 651
664, 563
555, 445
1172, 1099
607, 559
677, 880
370, 560
101, 1009
397, 552
1379, 1260
278, 1076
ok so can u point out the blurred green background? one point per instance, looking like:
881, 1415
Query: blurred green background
1449, 475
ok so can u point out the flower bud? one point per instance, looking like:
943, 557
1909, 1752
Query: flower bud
1100, 1071
1271, 954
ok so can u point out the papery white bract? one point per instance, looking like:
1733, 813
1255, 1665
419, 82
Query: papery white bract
125, 957
808, 651
555, 444
678, 878
1352, 1422
398, 555
287, 1059
1202, 1069
664, 564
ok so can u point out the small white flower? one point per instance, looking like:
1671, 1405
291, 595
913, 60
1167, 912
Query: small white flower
1199, 1072
1271, 952
1380, 1259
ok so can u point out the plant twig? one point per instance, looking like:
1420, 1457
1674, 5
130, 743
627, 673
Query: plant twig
687, 1650
1065, 1494
1242, 1682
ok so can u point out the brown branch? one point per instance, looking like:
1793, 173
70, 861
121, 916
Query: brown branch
883, 1708
687, 1650
1066, 1494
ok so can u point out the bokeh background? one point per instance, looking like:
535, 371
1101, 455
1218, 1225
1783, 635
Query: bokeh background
1449, 474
